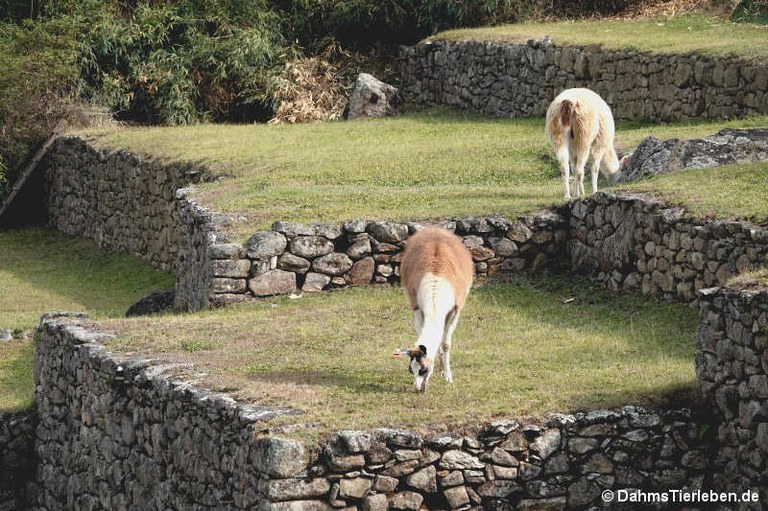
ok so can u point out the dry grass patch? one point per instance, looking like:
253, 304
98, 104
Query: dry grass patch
519, 350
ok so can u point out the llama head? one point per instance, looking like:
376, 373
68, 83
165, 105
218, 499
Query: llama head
610, 165
420, 366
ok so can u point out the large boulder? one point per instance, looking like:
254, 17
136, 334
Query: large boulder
372, 98
654, 156
154, 303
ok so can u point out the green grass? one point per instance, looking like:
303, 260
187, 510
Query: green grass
730, 190
519, 350
43, 271
428, 164
693, 33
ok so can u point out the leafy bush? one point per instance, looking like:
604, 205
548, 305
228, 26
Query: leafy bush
184, 61
37, 83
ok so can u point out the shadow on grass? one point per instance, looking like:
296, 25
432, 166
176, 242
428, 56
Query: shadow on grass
49, 271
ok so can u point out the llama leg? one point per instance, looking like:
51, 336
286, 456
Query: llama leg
564, 158
597, 160
445, 349
418, 320
581, 162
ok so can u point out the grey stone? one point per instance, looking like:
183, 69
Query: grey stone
405, 501
385, 484
456, 497
315, 282
273, 282
372, 98
356, 488
359, 249
296, 489
355, 442
293, 263
225, 251
232, 268
279, 457
377, 502
265, 244
310, 247
424, 480
460, 460
547, 443
334, 264
355, 226
727, 146
387, 232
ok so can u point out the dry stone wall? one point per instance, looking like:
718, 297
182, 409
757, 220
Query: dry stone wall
120, 433
636, 242
521, 80
129, 434
732, 367
293, 257
121, 201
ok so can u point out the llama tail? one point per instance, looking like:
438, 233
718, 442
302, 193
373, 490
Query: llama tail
566, 113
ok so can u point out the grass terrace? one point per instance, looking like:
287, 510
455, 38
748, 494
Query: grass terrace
329, 354
693, 33
44, 271
527, 347
426, 164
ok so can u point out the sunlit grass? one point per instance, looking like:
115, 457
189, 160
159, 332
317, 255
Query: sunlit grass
519, 350
428, 164
672, 34
730, 190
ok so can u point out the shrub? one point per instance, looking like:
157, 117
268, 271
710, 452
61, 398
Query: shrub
184, 61
37, 83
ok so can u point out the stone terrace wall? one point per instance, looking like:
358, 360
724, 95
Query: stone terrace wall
122, 434
638, 243
17, 458
732, 366
121, 201
293, 257
521, 80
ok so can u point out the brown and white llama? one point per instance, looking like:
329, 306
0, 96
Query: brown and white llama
580, 124
436, 273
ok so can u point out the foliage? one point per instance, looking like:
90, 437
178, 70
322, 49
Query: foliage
751, 11
38, 78
365, 23
184, 61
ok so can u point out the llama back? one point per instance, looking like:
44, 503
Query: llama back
435, 252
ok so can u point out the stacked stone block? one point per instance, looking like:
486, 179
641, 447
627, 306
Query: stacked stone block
521, 80
732, 367
121, 433
305, 258
121, 201
636, 242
